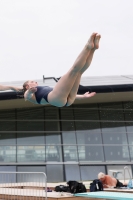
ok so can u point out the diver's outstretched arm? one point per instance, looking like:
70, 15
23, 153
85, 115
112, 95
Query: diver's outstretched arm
86, 95
6, 87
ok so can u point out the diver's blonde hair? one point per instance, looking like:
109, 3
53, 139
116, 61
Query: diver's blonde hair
101, 175
24, 86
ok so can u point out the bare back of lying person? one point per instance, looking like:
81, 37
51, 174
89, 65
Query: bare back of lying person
65, 91
108, 181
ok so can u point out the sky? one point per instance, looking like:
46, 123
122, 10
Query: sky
44, 37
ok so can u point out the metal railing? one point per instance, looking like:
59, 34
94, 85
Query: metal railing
126, 168
23, 185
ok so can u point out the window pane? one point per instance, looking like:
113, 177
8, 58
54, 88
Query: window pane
30, 126
9, 124
53, 138
128, 105
32, 117
72, 172
7, 177
53, 148
114, 138
92, 127
67, 114
128, 119
90, 172
55, 173
51, 116
30, 138
30, 153
88, 132
88, 137
81, 153
53, 153
113, 127
37, 177
7, 154
90, 153
114, 114
131, 152
86, 152
8, 138
70, 153
116, 153
130, 138
86, 113
69, 137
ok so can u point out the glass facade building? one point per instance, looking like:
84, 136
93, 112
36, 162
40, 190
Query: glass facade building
76, 142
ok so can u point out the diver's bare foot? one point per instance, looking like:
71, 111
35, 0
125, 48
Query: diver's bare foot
90, 44
96, 41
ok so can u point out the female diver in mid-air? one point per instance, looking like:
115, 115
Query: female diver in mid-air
65, 91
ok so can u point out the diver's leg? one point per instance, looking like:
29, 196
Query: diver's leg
61, 91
